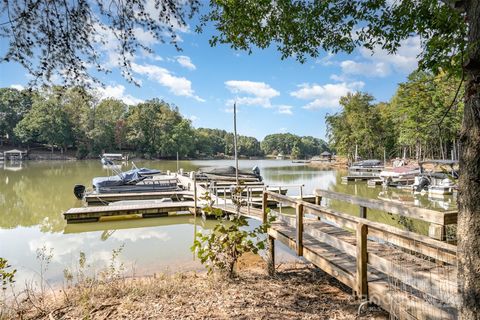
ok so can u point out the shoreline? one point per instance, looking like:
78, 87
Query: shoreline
297, 291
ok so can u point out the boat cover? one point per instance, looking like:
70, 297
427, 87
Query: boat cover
226, 171
368, 163
125, 178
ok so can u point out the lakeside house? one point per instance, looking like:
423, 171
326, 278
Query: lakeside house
323, 157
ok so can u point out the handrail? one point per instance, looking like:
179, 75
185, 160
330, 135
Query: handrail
428, 215
425, 245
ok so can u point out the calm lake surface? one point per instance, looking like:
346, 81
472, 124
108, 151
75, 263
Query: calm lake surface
33, 196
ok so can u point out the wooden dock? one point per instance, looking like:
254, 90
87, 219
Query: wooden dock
93, 214
409, 275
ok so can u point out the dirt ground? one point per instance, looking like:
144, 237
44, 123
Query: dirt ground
297, 291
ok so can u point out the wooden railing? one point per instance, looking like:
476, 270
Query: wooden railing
437, 219
367, 233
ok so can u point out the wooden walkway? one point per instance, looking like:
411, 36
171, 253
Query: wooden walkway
409, 275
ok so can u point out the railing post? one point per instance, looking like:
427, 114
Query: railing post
361, 278
248, 199
437, 231
264, 206
363, 212
299, 226
301, 192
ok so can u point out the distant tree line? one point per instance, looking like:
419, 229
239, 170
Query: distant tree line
290, 144
421, 121
72, 118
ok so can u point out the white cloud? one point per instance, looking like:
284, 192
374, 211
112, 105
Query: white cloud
117, 92
179, 86
17, 86
284, 109
380, 64
186, 62
259, 93
325, 96
377, 69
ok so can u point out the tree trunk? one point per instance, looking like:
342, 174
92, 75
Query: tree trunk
469, 182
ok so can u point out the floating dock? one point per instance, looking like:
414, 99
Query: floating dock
358, 177
93, 214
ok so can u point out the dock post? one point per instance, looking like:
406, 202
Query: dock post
216, 191
225, 197
299, 215
301, 192
363, 212
318, 200
271, 256
195, 195
361, 277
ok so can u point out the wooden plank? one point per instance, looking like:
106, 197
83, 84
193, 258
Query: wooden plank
361, 275
316, 256
110, 197
394, 208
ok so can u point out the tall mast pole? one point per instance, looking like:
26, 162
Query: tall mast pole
235, 140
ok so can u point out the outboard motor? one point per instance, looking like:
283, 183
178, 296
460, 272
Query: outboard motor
256, 172
79, 191
106, 162
422, 184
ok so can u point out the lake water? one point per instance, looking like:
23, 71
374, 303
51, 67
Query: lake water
33, 196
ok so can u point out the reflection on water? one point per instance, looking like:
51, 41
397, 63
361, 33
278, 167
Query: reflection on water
33, 198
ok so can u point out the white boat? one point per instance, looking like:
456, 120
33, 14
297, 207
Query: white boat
399, 176
439, 180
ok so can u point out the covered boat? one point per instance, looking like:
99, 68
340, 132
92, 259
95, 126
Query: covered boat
400, 175
228, 173
367, 166
135, 180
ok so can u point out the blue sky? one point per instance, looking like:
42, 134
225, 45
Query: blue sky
272, 95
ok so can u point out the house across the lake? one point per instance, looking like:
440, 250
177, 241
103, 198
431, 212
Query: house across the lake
324, 156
